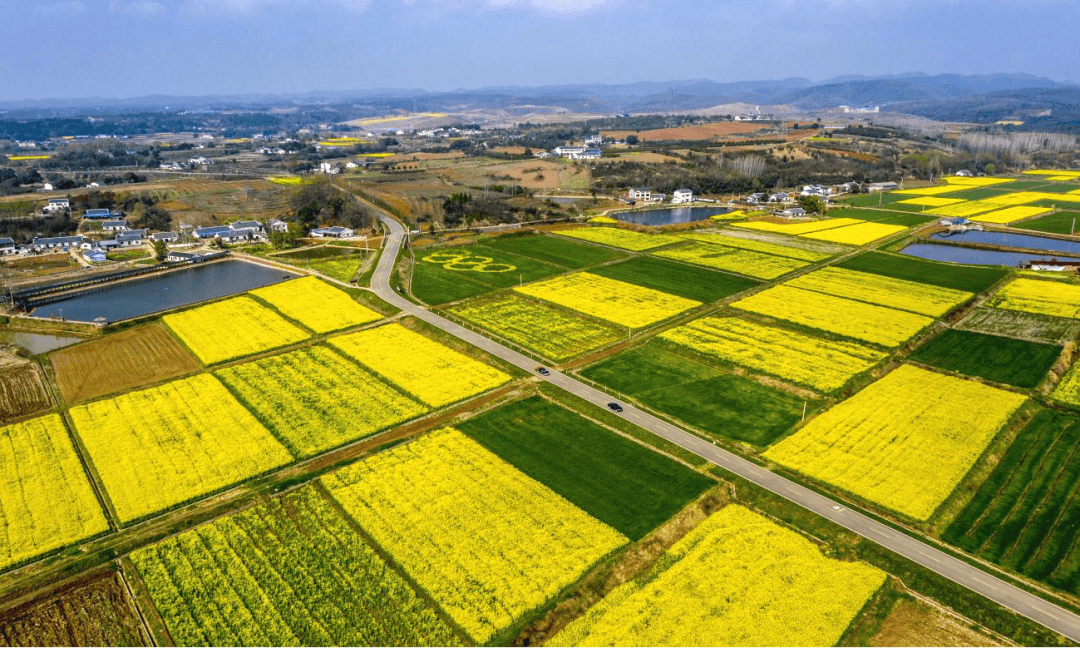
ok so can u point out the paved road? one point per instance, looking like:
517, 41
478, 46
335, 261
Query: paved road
1033, 607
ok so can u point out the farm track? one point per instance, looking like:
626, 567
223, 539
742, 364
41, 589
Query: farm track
1014, 598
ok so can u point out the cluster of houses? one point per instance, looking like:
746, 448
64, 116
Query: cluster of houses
644, 194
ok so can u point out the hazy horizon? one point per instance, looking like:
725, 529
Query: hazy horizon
69, 49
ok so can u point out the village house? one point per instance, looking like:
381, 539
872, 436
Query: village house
57, 205
682, 196
114, 226
57, 242
167, 237
7, 246
131, 238
640, 193
333, 232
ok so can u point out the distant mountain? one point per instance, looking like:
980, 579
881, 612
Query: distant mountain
943, 96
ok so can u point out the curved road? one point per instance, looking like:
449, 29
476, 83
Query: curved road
973, 578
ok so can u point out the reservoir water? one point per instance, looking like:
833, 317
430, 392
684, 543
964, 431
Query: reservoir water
670, 215
165, 291
1008, 239
973, 256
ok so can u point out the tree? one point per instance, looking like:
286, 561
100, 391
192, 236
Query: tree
160, 250
812, 204
631, 139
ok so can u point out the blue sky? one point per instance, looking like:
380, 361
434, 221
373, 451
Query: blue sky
125, 48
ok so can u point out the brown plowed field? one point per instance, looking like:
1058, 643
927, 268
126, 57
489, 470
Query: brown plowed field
701, 132
92, 612
121, 361
22, 392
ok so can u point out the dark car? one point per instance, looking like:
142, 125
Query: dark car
543, 371
614, 407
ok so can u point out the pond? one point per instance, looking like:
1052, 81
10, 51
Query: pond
972, 256
670, 215
1008, 239
37, 343
165, 291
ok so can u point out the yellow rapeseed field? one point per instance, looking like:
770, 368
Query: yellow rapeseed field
165, 445
964, 209
1054, 172
1068, 390
486, 542
46, 501
611, 300
931, 191
1019, 198
976, 182
420, 366
315, 399
316, 304
869, 322
619, 238
799, 228
1010, 214
1041, 297
931, 201
232, 329
720, 257
904, 442
756, 246
859, 234
825, 365
551, 331
912, 296
288, 181
738, 579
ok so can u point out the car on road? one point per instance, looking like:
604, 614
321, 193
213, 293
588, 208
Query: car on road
543, 371
614, 407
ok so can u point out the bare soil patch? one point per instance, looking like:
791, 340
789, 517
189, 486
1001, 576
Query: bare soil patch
23, 391
914, 623
121, 361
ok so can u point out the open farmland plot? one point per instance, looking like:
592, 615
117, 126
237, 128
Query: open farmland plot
120, 361
1017, 324
904, 442
620, 482
1040, 297
95, 611
679, 279
1058, 223
1010, 214
337, 262
433, 373
551, 249
168, 444
488, 543
46, 501
453, 273
231, 329
315, 399
997, 359
884, 217
824, 365
610, 300
946, 275
757, 246
290, 572
859, 234
797, 229
1067, 392
23, 391
620, 238
718, 403
900, 294
551, 331
868, 322
316, 304
1025, 514
737, 579
746, 262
